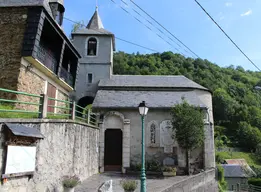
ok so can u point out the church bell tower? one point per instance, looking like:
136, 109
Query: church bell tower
96, 46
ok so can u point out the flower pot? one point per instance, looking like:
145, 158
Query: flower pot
68, 189
169, 174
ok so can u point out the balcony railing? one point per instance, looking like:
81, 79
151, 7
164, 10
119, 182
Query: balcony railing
47, 58
66, 76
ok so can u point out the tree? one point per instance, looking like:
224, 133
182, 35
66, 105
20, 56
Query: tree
188, 127
250, 134
76, 27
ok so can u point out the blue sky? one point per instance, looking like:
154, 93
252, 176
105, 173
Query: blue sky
239, 18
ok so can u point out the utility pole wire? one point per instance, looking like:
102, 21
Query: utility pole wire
226, 34
135, 44
178, 51
126, 41
164, 28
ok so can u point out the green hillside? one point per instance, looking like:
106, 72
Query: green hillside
236, 104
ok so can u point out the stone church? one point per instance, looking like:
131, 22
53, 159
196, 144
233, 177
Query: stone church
116, 99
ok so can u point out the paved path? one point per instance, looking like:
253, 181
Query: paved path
154, 184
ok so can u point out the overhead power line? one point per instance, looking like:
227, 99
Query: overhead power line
135, 44
151, 23
226, 35
164, 28
126, 41
147, 26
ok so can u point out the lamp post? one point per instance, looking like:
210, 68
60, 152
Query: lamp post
143, 110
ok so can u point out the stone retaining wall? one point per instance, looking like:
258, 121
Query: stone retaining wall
203, 182
68, 148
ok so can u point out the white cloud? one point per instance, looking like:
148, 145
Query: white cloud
249, 12
228, 4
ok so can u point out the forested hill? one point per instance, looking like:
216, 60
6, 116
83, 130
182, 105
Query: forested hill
236, 104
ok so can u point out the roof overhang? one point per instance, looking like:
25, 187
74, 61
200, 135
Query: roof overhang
24, 131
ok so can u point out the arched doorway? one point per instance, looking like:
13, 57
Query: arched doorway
83, 102
116, 121
113, 150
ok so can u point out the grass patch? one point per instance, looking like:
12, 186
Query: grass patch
15, 114
251, 158
21, 115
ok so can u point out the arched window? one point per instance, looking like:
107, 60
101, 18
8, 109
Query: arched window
92, 47
153, 133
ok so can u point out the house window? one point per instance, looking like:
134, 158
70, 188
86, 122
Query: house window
92, 47
153, 133
89, 80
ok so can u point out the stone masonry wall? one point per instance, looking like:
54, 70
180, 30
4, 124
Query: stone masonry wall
31, 83
12, 28
62, 96
68, 148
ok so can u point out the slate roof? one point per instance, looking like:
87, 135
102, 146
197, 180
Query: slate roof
154, 99
95, 27
21, 130
233, 170
150, 81
24, 3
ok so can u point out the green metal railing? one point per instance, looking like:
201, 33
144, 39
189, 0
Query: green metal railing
62, 109
8, 101
67, 109
85, 115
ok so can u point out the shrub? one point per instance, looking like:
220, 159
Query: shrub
254, 181
129, 185
153, 165
221, 177
219, 158
71, 181
220, 188
257, 170
135, 167
169, 169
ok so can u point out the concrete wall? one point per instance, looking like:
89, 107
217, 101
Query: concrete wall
203, 182
100, 65
104, 51
98, 71
68, 148
12, 28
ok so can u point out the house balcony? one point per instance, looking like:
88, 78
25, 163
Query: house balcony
48, 48
45, 56
66, 76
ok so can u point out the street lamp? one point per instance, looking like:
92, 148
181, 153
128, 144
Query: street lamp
143, 110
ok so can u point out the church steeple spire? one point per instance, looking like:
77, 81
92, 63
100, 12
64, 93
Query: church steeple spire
95, 22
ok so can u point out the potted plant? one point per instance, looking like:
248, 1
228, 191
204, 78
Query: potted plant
169, 171
129, 185
70, 182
